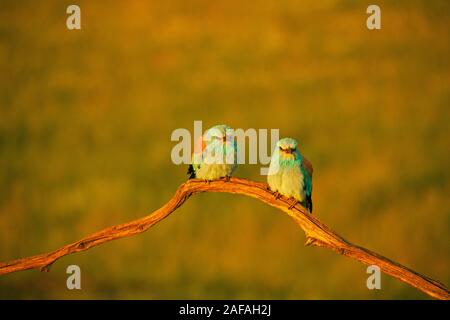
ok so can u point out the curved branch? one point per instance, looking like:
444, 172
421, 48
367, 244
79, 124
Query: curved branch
317, 234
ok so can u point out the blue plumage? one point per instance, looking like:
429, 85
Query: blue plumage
290, 174
217, 154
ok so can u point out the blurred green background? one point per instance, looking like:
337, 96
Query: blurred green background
86, 118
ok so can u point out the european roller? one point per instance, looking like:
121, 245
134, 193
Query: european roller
290, 174
215, 154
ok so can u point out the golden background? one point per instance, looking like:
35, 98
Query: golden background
86, 118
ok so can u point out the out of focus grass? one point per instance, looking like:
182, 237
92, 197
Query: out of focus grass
86, 118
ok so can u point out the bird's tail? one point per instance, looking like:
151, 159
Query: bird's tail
308, 203
191, 172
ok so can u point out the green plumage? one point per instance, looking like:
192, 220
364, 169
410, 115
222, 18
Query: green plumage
219, 157
287, 174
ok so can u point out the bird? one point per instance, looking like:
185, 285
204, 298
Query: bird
290, 174
215, 155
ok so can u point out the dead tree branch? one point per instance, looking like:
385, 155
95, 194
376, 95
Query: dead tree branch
317, 234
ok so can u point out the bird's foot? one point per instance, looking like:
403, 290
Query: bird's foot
293, 203
207, 181
276, 195
227, 178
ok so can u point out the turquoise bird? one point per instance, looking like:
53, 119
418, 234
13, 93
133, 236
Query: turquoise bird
290, 174
215, 154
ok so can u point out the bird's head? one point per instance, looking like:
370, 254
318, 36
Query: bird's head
288, 150
220, 133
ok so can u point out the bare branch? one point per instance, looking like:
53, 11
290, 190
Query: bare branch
317, 234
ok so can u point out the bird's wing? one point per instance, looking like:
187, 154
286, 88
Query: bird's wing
307, 181
307, 170
308, 166
199, 145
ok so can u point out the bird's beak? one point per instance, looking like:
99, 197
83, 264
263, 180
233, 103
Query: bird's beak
287, 150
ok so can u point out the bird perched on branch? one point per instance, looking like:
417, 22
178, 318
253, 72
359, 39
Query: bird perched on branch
290, 174
215, 154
